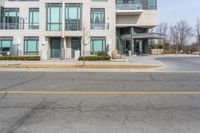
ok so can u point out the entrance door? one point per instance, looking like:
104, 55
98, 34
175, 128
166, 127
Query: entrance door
128, 46
138, 47
76, 45
55, 47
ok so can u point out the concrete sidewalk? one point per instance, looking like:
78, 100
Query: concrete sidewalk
135, 65
133, 60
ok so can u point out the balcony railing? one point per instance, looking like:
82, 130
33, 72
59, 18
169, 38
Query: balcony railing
7, 26
18, 26
99, 26
73, 26
129, 6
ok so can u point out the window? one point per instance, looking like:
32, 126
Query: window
73, 17
124, 31
9, 18
54, 18
31, 45
136, 4
34, 18
98, 44
5, 42
98, 18
140, 30
152, 4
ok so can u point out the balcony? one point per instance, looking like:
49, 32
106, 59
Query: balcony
19, 26
129, 9
99, 26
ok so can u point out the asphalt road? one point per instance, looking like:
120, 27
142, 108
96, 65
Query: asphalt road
92, 113
180, 64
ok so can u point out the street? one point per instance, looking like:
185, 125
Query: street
88, 113
181, 64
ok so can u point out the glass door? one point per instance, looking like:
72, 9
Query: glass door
55, 47
128, 46
76, 46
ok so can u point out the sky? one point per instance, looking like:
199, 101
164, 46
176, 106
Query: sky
171, 11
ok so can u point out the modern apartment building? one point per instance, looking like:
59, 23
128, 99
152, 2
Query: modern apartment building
57, 29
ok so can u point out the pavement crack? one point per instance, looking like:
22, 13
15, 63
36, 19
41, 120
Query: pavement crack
103, 108
152, 78
19, 122
4, 95
19, 83
125, 119
79, 108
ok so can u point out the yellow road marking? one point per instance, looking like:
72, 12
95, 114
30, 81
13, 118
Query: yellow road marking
98, 93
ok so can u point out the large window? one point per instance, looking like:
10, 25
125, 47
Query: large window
98, 18
98, 44
54, 17
31, 45
152, 4
5, 42
136, 4
129, 1
9, 18
34, 18
73, 17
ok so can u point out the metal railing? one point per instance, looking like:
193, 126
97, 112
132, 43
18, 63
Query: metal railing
100, 26
73, 26
129, 6
18, 26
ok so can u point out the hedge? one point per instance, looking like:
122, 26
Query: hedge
94, 58
22, 58
102, 54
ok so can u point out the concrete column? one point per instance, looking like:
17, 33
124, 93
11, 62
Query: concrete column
47, 47
141, 46
20, 40
132, 41
68, 44
65, 47
132, 46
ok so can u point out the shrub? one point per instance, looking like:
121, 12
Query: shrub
160, 46
152, 46
94, 58
102, 54
22, 58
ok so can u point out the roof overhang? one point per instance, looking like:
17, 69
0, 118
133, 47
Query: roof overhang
144, 36
135, 25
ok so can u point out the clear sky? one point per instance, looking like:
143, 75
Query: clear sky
171, 11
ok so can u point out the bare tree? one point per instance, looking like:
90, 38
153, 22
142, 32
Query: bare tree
173, 35
162, 28
181, 34
198, 34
